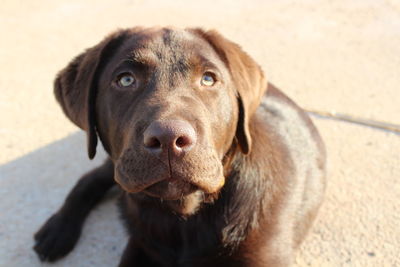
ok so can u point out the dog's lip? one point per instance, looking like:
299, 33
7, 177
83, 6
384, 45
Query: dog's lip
128, 185
152, 185
165, 187
170, 189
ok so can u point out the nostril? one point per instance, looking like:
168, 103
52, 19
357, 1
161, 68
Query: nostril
152, 142
183, 141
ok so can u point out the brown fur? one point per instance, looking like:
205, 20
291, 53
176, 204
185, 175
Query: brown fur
246, 190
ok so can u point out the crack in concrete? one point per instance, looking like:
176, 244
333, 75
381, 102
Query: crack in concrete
395, 128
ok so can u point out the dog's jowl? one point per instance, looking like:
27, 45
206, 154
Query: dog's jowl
216, 166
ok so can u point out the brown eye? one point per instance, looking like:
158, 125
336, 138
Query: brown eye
126, 80
208, 79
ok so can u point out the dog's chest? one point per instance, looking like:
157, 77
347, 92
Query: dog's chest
170, 239
179, 242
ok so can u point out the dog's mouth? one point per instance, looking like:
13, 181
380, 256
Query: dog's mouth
173, 179
170, 189
180, 191
168, 185
164, 188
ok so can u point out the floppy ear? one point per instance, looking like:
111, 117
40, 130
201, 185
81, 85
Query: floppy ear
75, 86
248, 79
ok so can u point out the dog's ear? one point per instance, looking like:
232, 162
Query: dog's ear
75, 86
248, 79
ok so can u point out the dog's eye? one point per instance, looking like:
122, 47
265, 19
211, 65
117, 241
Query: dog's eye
208, 79
126, 80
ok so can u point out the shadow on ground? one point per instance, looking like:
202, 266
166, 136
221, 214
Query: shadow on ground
34, 186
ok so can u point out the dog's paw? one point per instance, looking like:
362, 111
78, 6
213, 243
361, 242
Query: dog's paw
56, 238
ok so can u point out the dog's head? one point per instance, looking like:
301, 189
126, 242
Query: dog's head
167, 105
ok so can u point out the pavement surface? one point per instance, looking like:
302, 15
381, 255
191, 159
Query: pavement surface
327, 55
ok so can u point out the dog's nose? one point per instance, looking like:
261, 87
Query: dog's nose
176, 136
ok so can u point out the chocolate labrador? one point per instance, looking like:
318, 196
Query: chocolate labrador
217, 167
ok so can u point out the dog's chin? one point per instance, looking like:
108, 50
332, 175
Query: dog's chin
170, 189
187, 205
181, 197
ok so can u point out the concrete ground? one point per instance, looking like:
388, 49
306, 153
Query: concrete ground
328, 55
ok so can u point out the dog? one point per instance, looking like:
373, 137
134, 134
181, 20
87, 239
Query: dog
216, 166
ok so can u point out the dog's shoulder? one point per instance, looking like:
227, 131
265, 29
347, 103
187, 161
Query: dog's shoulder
294, 127
295, 130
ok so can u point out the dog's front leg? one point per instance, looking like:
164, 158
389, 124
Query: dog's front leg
59, 234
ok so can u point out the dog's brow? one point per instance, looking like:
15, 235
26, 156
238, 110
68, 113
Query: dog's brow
126, 64
204, 62
209, 65
144, 56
